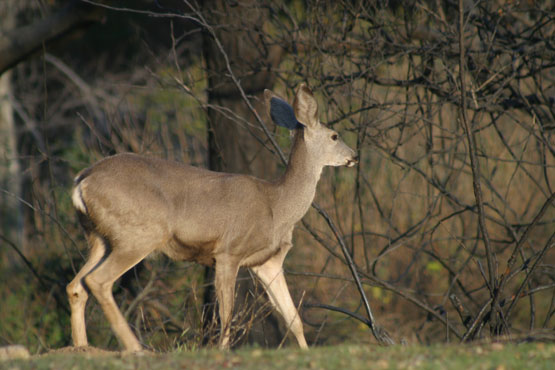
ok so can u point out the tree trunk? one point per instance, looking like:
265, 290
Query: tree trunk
236, 142
10, 174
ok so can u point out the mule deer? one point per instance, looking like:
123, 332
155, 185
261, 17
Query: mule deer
131, 206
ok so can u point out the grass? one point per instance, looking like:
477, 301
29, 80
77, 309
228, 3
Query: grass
487, 356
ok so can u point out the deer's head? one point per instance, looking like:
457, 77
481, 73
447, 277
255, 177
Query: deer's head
321, 141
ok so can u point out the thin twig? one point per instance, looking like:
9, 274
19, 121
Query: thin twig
474, 164
548, 245
381, 336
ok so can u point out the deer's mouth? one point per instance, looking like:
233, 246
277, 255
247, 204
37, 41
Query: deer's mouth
351, 162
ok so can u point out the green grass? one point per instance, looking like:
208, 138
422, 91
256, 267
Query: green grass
489, 356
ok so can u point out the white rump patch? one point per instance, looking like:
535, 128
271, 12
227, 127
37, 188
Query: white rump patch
77, 199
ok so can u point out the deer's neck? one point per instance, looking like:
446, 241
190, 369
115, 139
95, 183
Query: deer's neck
296, 188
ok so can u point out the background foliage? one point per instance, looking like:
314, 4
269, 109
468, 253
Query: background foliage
449, 216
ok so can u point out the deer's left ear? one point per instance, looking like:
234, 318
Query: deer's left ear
306, 107
280, 111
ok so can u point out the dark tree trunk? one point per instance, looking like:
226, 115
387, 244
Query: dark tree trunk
236, 142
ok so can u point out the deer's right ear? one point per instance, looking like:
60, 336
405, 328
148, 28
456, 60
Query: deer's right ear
280, 111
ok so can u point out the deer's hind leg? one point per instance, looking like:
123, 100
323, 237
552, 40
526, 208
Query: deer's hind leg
124, 255
77, 294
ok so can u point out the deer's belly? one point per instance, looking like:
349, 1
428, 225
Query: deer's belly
201, 252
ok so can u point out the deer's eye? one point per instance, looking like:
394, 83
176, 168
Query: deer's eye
334, 137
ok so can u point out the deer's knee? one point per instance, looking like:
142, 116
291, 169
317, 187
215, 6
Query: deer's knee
76, 293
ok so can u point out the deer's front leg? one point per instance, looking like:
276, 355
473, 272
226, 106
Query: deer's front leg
226, 274
271, 275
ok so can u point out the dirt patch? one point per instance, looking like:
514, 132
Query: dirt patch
90, 351
87, 350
